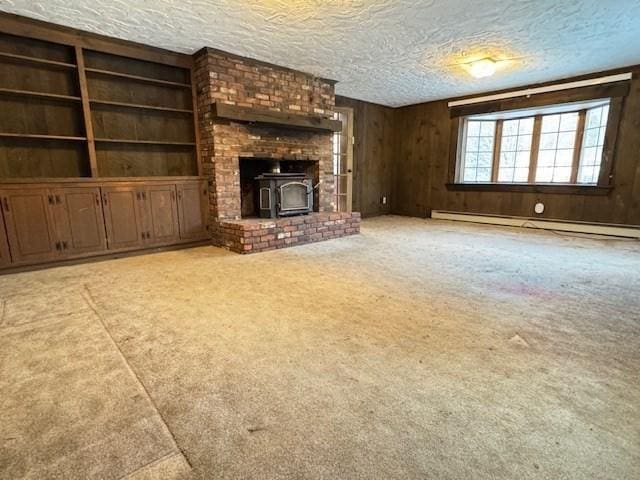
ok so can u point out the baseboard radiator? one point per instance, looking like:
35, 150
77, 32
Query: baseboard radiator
626, 231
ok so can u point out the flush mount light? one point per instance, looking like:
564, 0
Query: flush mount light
482, 68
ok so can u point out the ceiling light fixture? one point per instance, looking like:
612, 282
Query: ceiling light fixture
482, 68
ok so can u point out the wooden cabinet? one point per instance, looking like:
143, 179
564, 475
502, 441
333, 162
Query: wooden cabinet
160, 214
141, 215
193, 208
45, 224
29, 223
5, 256
123, 217
79, 220
56, 221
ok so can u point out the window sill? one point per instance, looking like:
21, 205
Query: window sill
558, 188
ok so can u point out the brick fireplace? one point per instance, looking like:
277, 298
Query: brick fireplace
256, 88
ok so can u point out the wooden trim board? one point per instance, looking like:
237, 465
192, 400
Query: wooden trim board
594, 92
288, 120
29, 27
108, 255
544, 224
555, 188
527, 92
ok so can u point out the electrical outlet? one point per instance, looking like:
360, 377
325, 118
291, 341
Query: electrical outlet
383, 200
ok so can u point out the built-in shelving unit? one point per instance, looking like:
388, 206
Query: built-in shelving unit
98, 147
68, 111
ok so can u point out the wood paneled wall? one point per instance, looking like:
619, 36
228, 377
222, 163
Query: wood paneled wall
422, 162
373, 155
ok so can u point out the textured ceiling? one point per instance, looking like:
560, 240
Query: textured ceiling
393, 52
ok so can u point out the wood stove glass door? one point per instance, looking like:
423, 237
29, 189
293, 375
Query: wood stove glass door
294, 196
343, 160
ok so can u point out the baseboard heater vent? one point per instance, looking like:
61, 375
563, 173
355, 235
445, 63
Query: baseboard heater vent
558, 225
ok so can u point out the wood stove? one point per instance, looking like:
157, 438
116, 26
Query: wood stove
284, 194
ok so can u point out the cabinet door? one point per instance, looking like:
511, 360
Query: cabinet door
79, 220
161, 214
29, 223
123, 217
5, 257
193, 208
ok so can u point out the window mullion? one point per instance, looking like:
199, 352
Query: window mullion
577, 152
497, 144
535, 148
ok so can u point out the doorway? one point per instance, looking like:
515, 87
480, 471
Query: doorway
343, 160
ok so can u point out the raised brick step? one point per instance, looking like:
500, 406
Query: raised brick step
259, 235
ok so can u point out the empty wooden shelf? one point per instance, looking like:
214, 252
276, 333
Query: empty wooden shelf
139, 106
37, 61
42, 137
51, 96
138, 78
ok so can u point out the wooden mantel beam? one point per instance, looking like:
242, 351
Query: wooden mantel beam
288, 120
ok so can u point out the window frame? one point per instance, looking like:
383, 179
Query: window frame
615, 93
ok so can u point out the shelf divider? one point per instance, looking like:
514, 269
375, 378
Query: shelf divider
86, 111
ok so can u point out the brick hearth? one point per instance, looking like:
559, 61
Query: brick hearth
226, 78
254, 235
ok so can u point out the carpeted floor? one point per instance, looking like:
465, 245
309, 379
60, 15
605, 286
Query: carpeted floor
417, 350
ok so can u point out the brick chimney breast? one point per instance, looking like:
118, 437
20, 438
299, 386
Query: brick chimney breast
234, 80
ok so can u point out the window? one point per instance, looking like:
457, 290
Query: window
559, 144
515, 150
593, 144
479, 151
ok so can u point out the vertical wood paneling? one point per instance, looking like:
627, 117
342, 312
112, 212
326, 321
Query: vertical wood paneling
373, 156
421, 165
